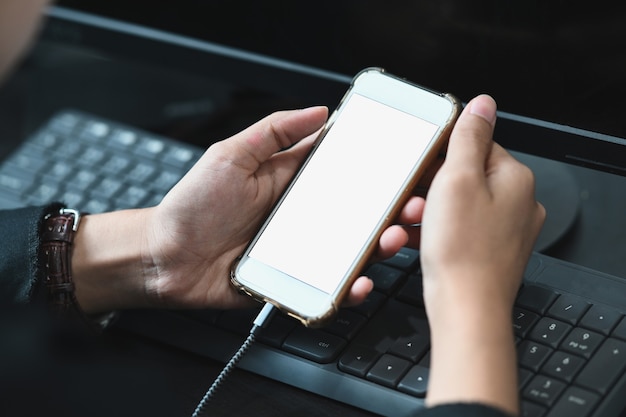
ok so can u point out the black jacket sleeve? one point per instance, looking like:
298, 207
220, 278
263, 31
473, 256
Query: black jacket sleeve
462, 410
19, 248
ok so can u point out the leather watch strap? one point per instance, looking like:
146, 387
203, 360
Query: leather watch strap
57, 238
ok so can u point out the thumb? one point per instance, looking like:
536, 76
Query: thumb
256, 144
471, 139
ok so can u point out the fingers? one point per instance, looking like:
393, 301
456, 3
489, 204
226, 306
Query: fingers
391, 240
471, 139
397, 236
359, 291
256, 144
412, 211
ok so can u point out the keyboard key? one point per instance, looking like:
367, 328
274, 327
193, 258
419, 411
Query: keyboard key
346, 324
535, 298
83, 180
569, 308
620, 330
72, 148
72, 199
582, 342
123, 139
523, 321
601, 319
60, 170
412, 292
532, 355
385, 278
42, 194
165, 180
406, 259
606, 365
563, 365
132, 196
95, 205
415, 382
46, 140
65, 123
92, 157
358, 359
28, 158
12, 184
107, 188
180, 156
142, 173
393, 320
150, 146
574, 402
388, 370
549, 331
95, 130
371, 304
544, 390
116, 164
314, 344
412, 347
277, 330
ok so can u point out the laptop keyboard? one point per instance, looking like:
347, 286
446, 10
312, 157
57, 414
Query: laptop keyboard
92, 165
568, 321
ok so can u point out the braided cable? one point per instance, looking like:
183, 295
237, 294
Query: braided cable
260, 321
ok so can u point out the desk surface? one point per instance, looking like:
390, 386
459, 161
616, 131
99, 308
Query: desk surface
50, 80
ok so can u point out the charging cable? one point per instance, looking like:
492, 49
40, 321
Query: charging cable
259, 322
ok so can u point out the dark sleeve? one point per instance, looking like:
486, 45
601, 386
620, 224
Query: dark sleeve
462, 410
18, 253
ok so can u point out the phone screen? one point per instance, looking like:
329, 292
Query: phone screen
344, 192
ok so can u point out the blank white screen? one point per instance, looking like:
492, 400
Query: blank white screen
343, 193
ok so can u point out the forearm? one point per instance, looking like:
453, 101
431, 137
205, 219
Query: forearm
107, 266
473, 355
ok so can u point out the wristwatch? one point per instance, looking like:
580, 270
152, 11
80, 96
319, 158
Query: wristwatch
57, 238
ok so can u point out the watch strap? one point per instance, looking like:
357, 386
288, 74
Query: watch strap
57, 239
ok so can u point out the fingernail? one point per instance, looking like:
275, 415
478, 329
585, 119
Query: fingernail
485, 107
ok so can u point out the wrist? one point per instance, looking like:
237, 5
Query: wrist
483, 293
107, 261
473, 357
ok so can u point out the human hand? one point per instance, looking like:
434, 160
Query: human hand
481, 218
205, 222
479, 225
191, 239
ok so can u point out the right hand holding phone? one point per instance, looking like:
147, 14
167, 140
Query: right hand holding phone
479, 225
481, 218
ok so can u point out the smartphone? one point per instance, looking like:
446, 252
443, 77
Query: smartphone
362, 168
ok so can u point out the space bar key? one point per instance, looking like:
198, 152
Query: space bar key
314, 344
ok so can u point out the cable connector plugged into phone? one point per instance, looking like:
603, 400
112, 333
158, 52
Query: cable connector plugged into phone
261, 320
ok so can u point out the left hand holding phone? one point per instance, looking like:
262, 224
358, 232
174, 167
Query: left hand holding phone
179, 253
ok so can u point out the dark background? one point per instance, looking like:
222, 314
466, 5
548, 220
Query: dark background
562, 61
